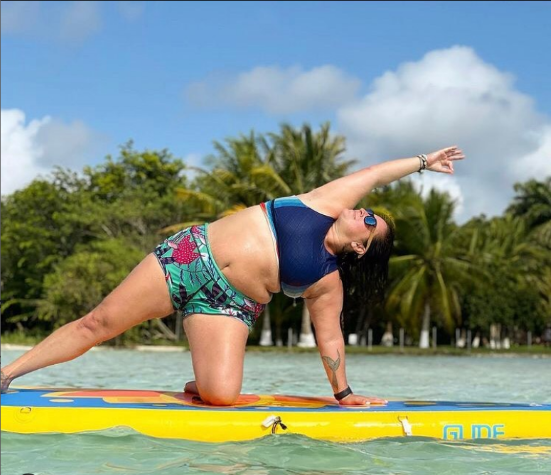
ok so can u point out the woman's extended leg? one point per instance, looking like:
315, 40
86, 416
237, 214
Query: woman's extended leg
143, 295
217, 345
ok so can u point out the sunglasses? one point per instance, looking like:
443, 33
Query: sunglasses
370, 219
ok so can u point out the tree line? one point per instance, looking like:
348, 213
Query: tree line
68, 239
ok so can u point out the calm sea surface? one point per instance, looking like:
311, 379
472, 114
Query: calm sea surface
486, 378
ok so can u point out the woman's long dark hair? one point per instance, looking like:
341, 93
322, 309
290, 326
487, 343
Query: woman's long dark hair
364, 280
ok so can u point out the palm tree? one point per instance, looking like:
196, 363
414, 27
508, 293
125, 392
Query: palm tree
429, 267
533, 202
305, 159
514, 254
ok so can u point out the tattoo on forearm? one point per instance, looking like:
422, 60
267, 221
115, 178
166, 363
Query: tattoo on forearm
333, 366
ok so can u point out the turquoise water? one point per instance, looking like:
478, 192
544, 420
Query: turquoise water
121, 451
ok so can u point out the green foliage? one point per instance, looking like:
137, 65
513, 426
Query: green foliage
305, 159
533, 202
50, 221
502, 301
81, 281
250, 169
157, 172
134, 196
428, 270
512, 268
38, 231
68, 240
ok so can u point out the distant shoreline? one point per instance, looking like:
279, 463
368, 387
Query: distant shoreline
155, 348
534, 351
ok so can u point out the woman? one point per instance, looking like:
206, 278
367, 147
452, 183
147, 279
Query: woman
232, 267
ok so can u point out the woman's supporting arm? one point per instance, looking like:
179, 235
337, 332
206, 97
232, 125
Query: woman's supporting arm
325, 309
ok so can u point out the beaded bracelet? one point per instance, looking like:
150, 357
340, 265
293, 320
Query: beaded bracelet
422, 162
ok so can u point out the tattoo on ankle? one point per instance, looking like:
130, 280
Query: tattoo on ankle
333, 366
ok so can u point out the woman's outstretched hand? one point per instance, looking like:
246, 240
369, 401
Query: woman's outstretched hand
442, 160
357, 400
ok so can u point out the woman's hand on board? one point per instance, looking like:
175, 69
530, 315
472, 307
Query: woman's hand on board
358, 400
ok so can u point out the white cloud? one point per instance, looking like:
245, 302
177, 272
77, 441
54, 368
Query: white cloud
20, 151
276, 90
19, 17
453, 97
68, 145
443, 183
32, 149
448, 97
80, 20
69, 21
538, 163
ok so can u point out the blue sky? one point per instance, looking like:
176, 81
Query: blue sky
396, 78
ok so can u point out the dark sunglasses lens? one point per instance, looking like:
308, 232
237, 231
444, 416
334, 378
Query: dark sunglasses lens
370, 212
370, 221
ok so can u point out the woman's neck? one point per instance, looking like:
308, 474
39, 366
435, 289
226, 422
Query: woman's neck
334, 241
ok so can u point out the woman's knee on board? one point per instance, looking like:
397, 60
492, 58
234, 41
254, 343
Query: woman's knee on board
219, 393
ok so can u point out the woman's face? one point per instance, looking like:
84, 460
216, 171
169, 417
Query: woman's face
353, 226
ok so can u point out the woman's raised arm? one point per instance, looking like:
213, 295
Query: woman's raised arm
346, 192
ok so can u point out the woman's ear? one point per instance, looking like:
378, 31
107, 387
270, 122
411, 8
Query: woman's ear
358, 248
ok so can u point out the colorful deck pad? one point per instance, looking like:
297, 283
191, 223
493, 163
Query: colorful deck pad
184, 416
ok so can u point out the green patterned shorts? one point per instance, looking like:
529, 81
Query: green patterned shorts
196, 284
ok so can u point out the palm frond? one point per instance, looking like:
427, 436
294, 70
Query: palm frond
206, 202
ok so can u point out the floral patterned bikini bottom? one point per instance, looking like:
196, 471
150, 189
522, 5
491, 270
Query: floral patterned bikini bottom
195, 282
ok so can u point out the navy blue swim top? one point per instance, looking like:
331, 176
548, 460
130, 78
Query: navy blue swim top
299, 233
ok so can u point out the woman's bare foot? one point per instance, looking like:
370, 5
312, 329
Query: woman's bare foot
5, 382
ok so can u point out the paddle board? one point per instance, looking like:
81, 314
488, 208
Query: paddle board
184, 416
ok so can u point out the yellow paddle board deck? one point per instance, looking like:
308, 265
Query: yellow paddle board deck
184, 416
